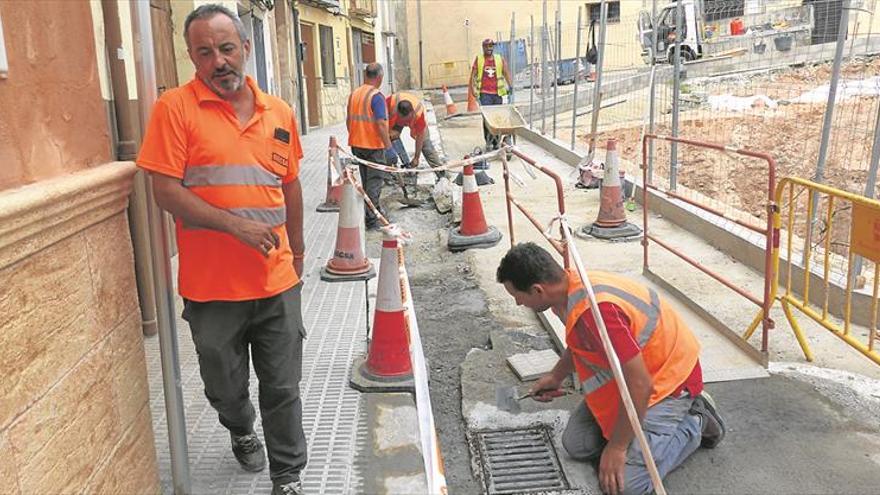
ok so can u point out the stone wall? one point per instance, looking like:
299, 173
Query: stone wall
74, 402
54, 118
334, 100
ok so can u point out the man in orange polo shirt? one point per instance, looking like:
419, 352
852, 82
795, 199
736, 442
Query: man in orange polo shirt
224, 160
659, 357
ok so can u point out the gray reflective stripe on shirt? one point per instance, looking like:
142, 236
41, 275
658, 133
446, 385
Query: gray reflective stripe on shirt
600, 377
364, 116
652, 311
269, 216
229, 175
573, 300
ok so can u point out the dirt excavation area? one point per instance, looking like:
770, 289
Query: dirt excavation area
799, 429
779, 112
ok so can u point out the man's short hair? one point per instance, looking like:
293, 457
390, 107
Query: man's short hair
404, 108
208, 11
373, 70
527, 264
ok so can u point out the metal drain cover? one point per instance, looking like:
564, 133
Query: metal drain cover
519, 461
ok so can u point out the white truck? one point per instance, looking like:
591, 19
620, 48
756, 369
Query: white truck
710, 33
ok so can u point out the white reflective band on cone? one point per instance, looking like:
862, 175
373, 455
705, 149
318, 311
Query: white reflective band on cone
611, 177
388, 298
469, 184
351, 209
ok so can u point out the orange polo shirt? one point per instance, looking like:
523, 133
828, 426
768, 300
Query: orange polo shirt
194, 135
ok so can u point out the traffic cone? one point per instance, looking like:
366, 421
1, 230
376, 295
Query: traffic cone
450, 105
611, 222
334, 191
472, 102
348, 262
386, 367
473, 231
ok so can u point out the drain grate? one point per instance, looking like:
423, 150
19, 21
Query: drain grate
519, 461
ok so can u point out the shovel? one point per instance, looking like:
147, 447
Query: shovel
508, 397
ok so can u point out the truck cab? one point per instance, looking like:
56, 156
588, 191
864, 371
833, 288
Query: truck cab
665, 26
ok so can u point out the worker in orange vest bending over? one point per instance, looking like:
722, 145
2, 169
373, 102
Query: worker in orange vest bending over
485, 83
406, 110
660, 361
367, 122
224, 160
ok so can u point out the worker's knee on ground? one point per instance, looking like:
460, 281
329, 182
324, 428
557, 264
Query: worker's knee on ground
575, 444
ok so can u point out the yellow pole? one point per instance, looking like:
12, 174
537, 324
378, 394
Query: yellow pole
798, 333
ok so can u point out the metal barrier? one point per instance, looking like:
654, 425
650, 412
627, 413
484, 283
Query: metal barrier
862, 239
451, 73
770, 232
560, 246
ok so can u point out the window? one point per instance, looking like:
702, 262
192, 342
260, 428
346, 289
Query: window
328, 62
723, 9
596, 11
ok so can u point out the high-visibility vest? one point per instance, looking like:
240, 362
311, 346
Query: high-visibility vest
363, 126
499, 73
415, 101
668, 347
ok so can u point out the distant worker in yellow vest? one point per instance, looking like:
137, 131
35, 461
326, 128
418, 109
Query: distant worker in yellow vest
406, 110
659, 357
367, 122
485, 83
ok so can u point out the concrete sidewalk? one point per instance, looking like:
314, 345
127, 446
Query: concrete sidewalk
805, 429
350, 446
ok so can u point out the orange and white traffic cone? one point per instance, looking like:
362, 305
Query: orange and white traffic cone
348, 262
611, 221
472, 102
473, 231
450, 105
387, 366
334, 189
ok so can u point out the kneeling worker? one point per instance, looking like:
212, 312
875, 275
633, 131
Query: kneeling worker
406, 110
658, 354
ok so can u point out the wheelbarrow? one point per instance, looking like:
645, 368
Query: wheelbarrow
501, 121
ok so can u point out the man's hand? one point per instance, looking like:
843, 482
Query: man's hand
390, 157
394, 134
414, 163
547, 383
298, 266
255, 234
612, 468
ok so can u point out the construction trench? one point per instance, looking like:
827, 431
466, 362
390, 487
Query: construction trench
793, 427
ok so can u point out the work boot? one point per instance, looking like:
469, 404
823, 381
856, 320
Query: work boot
713, 428
248, 452
292, 488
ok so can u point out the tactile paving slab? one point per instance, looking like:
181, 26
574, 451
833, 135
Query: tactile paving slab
335, 319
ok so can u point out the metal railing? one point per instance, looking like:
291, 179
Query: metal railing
560, 246
769, 233
850, 227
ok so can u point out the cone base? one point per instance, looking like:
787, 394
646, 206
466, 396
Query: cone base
327, 207
327, 275
621, 233
364, 381
458, 242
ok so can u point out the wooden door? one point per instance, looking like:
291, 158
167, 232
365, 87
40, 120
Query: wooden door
310, 71
163, 44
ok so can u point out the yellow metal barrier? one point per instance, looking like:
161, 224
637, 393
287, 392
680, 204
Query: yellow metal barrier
837, 247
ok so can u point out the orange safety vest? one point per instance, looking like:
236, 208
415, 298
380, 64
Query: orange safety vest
415, 101
363, 127
668, 347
